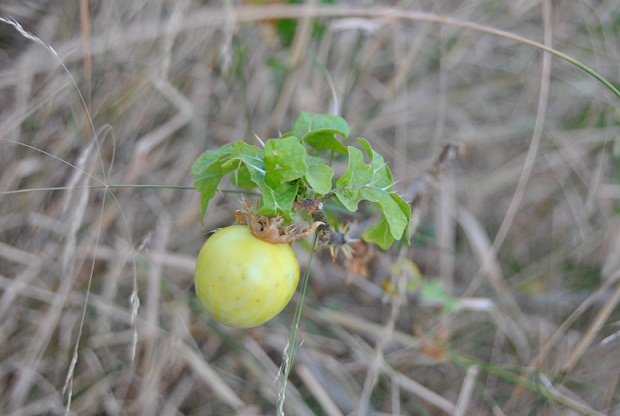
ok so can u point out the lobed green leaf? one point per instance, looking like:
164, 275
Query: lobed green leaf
249, 171
382, 232
285, 161
320, 131
361, 176
405, 208
241, 178
251, 157
373, 182
208, 171
278, 201
319, 175
379, 233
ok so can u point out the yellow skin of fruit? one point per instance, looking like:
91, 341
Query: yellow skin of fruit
242, 281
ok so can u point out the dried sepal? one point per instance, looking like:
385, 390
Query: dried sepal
341, 241
271, 229
358, 265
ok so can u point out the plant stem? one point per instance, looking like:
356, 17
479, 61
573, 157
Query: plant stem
292, 342
119, 186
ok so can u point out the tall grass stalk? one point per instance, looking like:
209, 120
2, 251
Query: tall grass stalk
288, 355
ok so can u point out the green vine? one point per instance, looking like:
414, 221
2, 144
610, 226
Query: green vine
294, 170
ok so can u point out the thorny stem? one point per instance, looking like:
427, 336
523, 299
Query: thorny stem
325, 233
449, 151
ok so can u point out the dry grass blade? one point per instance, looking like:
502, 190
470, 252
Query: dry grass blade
558, 336
489, 267
367, 327
570, 402
466, 391
318, 391
372, 375
208, 375
270, 374
594, 328
424, 393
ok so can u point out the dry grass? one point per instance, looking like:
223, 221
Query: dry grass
97, 309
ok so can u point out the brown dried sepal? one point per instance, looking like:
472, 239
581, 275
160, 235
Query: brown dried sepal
432, 344
358, 265
271, 229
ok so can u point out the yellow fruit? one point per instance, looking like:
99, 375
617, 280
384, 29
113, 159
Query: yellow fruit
242, 281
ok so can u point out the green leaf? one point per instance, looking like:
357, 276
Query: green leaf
207, 171
278, 201
320, 131
405, 209
373, 182
241, 178
285, 161
361, 176
251, 157
357, 176
379, 234
319, 175
382, 233
247, 162
392, 211
324, 140
381, 173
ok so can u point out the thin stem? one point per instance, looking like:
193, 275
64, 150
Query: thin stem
118, 186
290, 356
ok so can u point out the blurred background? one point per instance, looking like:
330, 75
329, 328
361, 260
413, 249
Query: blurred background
512, 308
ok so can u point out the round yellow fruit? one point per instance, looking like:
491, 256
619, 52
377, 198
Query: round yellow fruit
242, 281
